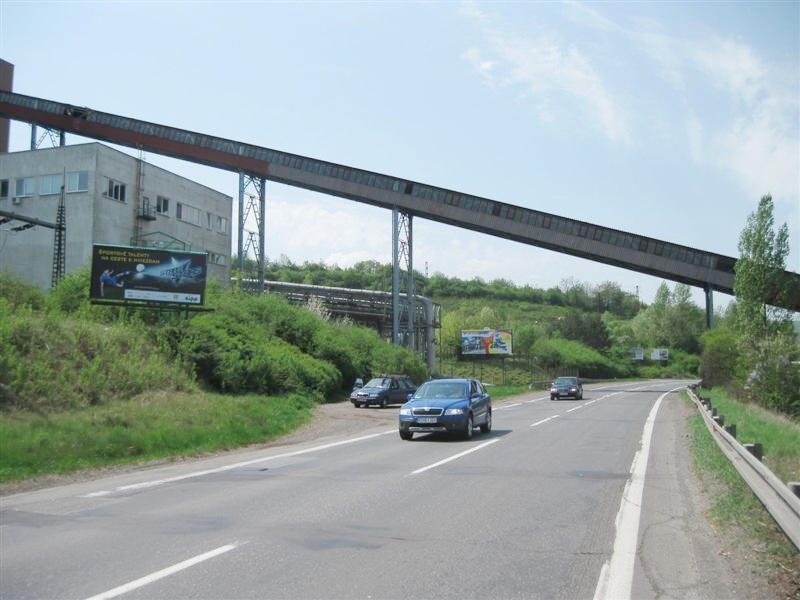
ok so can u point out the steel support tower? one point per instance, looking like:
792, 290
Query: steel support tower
402, 256
258, 185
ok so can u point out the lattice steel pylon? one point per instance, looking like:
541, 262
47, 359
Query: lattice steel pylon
51, 133
59, 241
402, 256
259, 185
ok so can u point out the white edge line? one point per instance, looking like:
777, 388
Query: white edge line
616, 576
155, 482
455, 456
118, 591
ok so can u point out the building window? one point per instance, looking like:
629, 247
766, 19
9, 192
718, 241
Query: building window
222, 225
188, 214
209, 221
4, 188
162, 205
50, 184
116, 190
25, 187
78, 181
216, 259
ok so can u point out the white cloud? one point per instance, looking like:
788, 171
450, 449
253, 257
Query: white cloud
557, 80
302, 227
741, 114
733, 66
760, 145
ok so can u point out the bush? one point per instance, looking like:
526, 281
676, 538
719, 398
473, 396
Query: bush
19, 294
774, 381
50, 364
554, 354
263, 344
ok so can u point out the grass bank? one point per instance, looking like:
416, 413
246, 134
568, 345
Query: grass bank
735, 510
778, 435
149, 427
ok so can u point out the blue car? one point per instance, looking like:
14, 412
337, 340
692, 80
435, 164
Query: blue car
382, 391
447, 406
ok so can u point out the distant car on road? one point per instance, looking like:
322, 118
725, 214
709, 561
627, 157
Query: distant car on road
447, 405
566, 387
383, 390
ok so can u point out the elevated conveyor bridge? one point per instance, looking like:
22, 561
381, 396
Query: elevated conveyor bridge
650, 256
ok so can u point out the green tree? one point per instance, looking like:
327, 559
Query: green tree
650, 325
760, 275
766, 337
684, 322
720, 353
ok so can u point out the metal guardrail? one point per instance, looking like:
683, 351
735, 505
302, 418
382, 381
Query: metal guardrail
774, 494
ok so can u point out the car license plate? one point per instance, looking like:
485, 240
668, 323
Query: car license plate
426, 420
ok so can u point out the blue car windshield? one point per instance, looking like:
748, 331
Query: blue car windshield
379, 382
441, 390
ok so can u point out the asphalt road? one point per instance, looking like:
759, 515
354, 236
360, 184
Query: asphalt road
550, 504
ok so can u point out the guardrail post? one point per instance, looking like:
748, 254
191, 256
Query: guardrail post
731, 429
795, 487
713, 412
755, 449
719, 420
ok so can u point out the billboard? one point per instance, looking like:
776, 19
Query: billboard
486, 342
121, 273
659, 354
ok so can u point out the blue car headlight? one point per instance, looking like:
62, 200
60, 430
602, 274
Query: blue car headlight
454, 411
405, 411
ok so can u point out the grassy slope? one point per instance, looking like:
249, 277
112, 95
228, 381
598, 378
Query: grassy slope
735, 510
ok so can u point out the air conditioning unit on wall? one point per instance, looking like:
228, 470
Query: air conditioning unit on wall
15, 200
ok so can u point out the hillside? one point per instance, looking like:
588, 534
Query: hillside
573, 328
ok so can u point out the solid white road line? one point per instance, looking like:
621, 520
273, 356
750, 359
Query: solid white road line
616, 576
156, 482
123, 589
455, 456
544, 420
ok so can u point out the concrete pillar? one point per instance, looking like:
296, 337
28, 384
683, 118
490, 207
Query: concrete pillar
709, 307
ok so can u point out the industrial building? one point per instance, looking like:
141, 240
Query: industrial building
109, 198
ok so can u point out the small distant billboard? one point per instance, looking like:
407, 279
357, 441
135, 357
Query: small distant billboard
637, 353
659, 354
122, 273
486, 342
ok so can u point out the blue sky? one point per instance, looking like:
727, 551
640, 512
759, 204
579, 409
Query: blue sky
667, 119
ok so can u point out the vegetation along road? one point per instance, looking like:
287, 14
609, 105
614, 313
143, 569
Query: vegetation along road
565, 499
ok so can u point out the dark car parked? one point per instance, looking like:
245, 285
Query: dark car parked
566, 387
383, 390
447, 405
